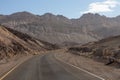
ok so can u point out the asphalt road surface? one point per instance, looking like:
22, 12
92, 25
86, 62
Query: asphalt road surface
47, 67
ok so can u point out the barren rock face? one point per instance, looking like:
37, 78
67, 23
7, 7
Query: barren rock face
58, 29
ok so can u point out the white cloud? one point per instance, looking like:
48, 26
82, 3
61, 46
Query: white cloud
105, 6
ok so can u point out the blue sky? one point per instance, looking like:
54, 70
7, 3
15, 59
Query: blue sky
68, 8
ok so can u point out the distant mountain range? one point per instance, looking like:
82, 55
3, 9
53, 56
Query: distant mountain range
58, 29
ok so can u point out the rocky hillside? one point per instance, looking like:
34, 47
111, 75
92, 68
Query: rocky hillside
58, 29
13, 42
106, 50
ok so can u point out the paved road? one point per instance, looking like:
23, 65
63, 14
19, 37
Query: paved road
46, 67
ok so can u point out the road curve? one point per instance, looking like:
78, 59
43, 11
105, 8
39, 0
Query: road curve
46, 67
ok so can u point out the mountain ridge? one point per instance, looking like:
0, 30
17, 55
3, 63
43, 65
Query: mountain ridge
57, 29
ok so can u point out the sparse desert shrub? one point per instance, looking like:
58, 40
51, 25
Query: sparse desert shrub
86, 49
98, 52
81, 49
108, 52
74, 49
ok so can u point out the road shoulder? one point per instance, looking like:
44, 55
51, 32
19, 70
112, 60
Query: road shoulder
7, 66
106, 72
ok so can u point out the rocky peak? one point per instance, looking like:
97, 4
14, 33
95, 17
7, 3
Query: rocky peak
91, 16
24, 13
48, 15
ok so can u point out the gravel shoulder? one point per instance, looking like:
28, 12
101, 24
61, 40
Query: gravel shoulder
106, 72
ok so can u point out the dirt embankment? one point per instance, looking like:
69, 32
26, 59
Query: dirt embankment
106, 51
14, 43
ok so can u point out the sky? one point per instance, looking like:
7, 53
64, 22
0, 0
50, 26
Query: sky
68, 8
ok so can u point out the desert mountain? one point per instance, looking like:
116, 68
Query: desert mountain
13, 42
58, 29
